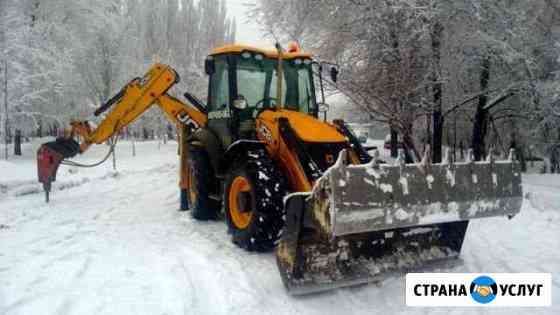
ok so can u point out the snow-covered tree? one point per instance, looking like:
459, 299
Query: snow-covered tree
65, 58
461, 70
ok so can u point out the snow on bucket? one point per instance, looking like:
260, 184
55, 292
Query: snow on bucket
374, 197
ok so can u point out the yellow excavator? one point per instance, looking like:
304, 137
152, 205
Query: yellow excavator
258, 154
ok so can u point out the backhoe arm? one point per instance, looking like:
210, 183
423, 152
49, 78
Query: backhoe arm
133, 100
125, 107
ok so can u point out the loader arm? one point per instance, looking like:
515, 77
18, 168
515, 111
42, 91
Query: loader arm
134, 99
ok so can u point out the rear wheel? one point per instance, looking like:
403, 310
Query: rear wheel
201, 183
253, 198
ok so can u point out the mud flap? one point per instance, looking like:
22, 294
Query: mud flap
364, 223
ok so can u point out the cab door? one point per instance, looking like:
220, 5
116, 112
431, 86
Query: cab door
219, 98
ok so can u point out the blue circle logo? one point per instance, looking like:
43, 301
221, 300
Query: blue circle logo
483, 289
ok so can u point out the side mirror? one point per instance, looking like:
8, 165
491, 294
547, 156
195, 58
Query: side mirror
334, 74
362, 138
323, 107
240, 102
209, 67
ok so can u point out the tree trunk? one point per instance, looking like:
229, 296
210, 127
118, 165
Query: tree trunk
170, 132
481, 116
548, 149
437, 87
428, 139
437, 135
6, 121
520, 152
396, 53
17, 143
394, 143
454, 137
409, 143
39, 128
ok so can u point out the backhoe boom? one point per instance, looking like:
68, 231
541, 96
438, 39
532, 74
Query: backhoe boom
125, 107
137, 97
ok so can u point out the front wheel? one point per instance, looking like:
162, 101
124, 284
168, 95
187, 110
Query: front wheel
253, 198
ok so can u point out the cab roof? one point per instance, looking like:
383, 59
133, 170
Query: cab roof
269, 53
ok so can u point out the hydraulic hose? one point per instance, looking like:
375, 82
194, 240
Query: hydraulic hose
113, 140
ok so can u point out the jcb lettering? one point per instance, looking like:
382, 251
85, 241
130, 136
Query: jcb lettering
188, 121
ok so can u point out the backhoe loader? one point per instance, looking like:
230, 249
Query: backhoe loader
258, 152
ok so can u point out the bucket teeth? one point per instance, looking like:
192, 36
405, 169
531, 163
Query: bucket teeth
319, 264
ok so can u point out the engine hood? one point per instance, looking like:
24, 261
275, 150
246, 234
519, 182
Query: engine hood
307, 128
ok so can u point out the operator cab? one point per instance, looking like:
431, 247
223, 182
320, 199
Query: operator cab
243, 82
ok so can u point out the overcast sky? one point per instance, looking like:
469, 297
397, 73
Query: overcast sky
248, 32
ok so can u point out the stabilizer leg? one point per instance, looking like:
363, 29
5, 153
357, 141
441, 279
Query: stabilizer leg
184, 200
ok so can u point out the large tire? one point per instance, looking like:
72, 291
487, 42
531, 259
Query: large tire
255, 185
202, 181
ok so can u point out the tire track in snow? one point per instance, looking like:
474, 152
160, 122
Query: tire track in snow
85, 267
151, 258
65, 307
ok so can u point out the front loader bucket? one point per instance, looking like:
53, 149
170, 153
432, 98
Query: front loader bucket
362, 223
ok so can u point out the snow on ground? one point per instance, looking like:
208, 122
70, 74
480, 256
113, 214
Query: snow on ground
114, 243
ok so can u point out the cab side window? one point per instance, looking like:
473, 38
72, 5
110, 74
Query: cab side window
219, 86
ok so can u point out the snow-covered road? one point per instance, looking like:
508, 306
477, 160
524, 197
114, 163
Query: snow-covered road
114, 243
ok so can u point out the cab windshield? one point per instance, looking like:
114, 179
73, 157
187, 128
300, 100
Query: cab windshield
256, 82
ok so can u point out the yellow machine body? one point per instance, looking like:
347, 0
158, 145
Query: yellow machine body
282, 176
